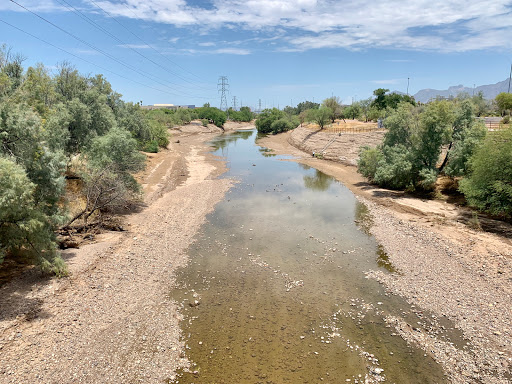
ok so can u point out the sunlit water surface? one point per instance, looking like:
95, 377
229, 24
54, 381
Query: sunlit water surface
275, 290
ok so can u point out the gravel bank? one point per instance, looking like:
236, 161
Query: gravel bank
112, 321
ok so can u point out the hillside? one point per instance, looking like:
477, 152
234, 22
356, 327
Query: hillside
490, 91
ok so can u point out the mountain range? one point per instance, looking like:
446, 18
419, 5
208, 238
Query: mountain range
489, 91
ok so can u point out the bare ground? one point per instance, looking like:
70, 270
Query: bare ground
444, 266
112, 320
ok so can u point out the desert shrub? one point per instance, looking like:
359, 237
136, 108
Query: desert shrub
151, 146
489, 184
22, 224
395, 168
368, 161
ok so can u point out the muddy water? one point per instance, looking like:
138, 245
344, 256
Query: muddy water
275, 291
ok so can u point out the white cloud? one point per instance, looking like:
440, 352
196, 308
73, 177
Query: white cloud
232, 51
33, 5
387, 81
447, 25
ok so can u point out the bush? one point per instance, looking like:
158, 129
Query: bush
151, 146
489, 184
368, 162
275, 121
213, 114
22, 224
204, 122
395, 169
505, 120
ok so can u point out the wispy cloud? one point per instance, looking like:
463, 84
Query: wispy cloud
387, 81
232, 51
33, 5
448, 26
135, 46
398, 61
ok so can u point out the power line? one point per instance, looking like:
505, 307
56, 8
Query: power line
98, 50
87, 61
105, 31
149, 45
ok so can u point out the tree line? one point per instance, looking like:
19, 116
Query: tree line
423, 141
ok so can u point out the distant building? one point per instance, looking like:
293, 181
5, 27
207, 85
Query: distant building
168, 106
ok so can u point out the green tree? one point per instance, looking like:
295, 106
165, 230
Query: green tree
489, 184
504, 103
320, 116
353, 111
213, 114
465, 136
334, 105
69, 84
22, 225
305, 105
380, 98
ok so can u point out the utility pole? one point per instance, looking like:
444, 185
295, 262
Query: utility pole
407, 86
259, 105
474, 89
223, 88
234, 103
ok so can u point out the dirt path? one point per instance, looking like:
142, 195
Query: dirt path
443, 265
112, 321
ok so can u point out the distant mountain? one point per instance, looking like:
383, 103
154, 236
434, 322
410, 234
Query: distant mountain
490, 91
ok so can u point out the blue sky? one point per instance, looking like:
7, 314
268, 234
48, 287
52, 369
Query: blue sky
279, 51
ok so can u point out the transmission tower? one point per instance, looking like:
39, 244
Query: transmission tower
234, 103
259, 105
223, 88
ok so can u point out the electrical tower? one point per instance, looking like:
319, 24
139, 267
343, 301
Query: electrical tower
259, 105
223, 88
234, 103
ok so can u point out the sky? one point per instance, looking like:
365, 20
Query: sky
279, 52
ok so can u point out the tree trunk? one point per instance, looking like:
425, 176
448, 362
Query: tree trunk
445, 161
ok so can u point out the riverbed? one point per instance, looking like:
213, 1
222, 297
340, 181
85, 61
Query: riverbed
276, 289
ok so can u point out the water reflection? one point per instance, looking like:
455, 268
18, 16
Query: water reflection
318, 182
278, 273
383, 260
223, 141
266, 152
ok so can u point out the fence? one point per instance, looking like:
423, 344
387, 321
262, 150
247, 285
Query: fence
350, 128
495, 125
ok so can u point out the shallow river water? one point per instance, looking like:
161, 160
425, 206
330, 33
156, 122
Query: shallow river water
276, 292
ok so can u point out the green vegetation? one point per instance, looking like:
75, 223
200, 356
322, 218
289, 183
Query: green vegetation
275, 121
408, 156
212, 114
321, 116
58, 127
504, 103
488, 185
243, 115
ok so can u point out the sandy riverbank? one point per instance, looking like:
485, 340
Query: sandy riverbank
444, 266
112, 320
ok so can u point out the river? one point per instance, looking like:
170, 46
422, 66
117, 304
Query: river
275, 290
